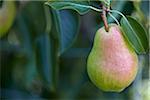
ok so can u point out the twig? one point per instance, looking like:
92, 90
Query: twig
104, 18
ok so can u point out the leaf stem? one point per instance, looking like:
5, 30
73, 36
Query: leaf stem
115, 11
93, 8
114, 18
80, 5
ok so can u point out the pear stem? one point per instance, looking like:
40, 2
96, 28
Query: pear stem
104, 18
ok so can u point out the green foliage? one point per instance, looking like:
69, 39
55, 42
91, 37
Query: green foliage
47, 57
44, 60
67, 25
28, 69
136, 34
80, 7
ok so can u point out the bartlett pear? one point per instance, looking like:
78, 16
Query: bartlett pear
112, 63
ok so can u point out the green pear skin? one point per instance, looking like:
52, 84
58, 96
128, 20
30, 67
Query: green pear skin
7, 16
112, 63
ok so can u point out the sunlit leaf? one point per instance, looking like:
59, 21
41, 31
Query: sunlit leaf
136, 34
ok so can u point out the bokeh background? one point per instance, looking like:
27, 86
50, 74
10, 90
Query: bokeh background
32, 68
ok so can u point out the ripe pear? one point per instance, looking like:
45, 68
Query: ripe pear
7, 16
112, 63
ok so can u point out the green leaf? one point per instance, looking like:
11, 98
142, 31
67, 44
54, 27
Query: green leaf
67, 26
44, 60
80, 7
136, 34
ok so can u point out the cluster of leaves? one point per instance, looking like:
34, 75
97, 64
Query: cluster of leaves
133, 31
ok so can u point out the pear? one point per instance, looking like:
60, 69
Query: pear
7, 16
112, 63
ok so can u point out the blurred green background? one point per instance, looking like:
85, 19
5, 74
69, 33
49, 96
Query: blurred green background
33, 65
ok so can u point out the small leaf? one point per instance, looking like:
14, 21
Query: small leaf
80, 7
136, 34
